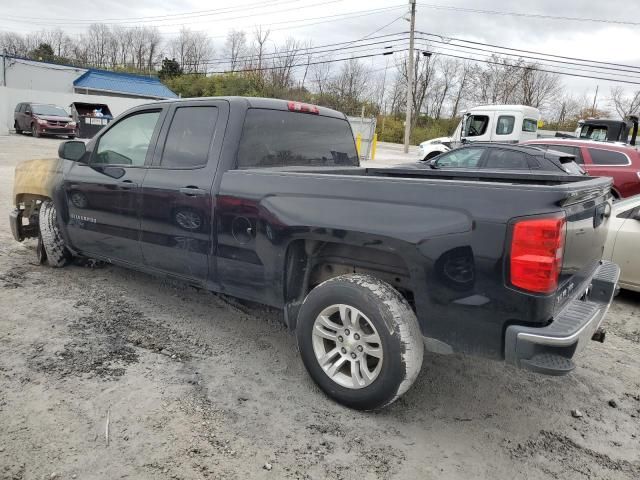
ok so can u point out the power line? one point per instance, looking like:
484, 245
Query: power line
312, 49
335, 60
444, 38
153, 17
330, 18
211, 21
493, 62
527, 15
539, 61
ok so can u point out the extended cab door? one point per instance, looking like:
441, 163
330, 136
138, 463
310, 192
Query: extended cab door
103, 196
177, 204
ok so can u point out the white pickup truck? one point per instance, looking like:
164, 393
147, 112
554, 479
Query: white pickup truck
487, 123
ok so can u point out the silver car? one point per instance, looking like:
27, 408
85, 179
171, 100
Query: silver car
623, 241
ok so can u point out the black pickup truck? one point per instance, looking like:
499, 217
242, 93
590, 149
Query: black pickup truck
265, 200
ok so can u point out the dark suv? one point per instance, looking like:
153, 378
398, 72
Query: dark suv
41, 119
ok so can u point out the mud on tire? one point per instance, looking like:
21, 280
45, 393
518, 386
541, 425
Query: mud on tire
392, 322
56, 253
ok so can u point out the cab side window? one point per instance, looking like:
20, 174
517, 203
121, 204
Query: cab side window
127, 142
476, 125
189, 137
505, 124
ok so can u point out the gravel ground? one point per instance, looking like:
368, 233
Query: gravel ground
199, 386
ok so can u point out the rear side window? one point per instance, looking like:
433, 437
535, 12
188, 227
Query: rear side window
507, 160
575, 151
189, 137
18, 107
476, 125
607, 157
505, 124
275, 138
460, 158
529, 125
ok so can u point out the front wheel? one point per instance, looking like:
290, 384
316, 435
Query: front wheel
34, 131
360, 341
57, 254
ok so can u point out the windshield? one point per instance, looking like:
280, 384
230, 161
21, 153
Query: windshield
274, 138
49, 110
594, 132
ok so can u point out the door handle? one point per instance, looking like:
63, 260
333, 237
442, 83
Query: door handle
127, 185
193, 191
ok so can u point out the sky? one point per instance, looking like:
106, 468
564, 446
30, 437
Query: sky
307, 20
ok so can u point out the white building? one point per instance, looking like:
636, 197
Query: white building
24, 80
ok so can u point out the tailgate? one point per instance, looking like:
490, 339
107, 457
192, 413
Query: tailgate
587, 215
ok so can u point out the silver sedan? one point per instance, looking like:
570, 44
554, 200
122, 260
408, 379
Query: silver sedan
623, 241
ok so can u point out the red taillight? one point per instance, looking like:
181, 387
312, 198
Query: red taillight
537, 247
303, 108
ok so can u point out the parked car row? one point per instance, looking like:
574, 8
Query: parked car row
38, 119
568, 156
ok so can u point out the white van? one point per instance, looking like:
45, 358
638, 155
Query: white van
487, 123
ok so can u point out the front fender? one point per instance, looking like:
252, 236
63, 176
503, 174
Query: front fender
432, 150
36, 179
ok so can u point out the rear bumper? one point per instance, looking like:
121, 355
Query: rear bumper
550, 349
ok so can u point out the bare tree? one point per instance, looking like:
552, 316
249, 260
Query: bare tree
235, 48
321, 75
282, 62
464, 73
13, 44
538, 89
625, 105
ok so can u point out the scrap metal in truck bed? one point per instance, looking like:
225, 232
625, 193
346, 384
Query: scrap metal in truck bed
265, 200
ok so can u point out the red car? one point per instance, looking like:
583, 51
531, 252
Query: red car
601, 159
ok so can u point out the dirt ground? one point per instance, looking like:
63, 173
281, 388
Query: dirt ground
198, 386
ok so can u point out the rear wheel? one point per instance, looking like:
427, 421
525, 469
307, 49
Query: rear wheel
17, 128
360, 341
57, 254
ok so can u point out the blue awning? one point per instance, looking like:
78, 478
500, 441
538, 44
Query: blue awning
123, 83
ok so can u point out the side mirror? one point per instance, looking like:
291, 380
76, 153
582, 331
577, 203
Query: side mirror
73, 150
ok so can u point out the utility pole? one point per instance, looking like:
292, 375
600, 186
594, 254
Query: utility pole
407, 126
595, 98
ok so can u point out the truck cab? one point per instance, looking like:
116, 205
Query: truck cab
488, 123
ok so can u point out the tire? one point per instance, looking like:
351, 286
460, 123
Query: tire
384, 318
16, 127
41, 253
57, 254
34, 131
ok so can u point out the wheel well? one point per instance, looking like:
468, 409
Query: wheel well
615, 193
29, 206
310, 262
430, 155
